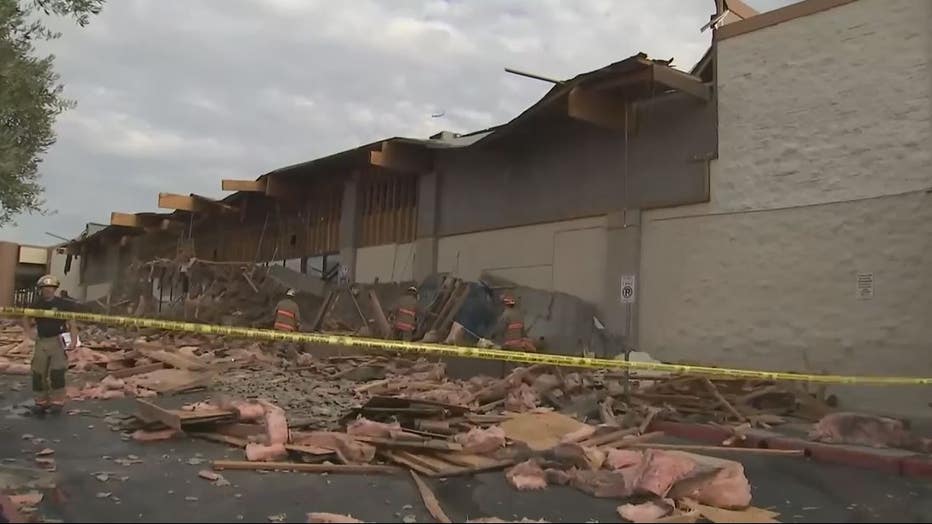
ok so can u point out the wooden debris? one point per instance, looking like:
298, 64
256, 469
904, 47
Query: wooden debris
608, 437
138, 370
177, 419
725, 516
632, 441
727, 405
430, 500
719, 449
437, 445
540, 431
301, 467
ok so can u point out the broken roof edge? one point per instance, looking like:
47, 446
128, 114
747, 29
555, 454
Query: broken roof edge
777, 16
629, 65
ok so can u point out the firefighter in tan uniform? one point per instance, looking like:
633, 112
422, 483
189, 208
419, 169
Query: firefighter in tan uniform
511, 329
49, 362
288, 319
287, 313
404, 316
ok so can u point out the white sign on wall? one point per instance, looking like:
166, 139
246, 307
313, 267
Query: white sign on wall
865, 290
628, 289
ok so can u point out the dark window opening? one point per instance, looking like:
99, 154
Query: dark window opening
215, 254
294, 240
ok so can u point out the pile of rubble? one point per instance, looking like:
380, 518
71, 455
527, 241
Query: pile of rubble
596, 431
200, 290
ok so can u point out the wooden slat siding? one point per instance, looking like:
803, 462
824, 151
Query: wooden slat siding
316, 235
366, 216
411, 232
398, 208
382, 202
336, 218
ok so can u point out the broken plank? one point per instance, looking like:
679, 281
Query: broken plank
608, 437
174, 360
430, 500
723, 449
149, 412
501, 464
399, 459
241, 430
721, 400
725, 516
310, 450
679, 518
202, 381
433, 464
437, 445
223, 439
627, 442
304, 468
467, 460
138, 370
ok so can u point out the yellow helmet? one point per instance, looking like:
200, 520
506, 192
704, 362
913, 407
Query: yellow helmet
48, 281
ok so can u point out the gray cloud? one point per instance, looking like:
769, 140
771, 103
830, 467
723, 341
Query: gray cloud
174, 95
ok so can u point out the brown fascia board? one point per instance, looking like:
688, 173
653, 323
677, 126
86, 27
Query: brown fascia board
777, 16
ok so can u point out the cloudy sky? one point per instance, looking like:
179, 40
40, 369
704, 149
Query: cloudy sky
174, 95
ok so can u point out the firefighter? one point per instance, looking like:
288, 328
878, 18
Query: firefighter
287, 313
49, 362
404, 316
510, 327
288, 318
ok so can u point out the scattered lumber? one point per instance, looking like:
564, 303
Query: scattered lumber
303, 468
430, 500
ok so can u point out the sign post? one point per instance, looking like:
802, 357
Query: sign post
628, 297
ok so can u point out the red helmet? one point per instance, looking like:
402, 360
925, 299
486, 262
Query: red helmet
508, 300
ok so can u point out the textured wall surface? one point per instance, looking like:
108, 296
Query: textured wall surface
559, 256
565, 169
825, 125
388, 263
70, 282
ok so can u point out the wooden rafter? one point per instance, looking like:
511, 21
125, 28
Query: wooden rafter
599, 108
192, 203
276, 186
125, 219
253, 186
403, 158
682, 82
178, 202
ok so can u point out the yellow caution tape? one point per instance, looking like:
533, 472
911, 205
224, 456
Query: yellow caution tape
462, 352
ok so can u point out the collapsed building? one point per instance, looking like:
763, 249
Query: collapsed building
749, 207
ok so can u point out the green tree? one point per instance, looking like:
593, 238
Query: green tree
30, 97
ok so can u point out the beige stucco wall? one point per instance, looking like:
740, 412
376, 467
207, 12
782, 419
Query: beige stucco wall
825, 124
33, 255
566, 256
388, 263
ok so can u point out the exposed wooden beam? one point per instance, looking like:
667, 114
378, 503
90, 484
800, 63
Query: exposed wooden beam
682, 82
601, 109
173, 201
125, 219
626, 80
202, 203
254, 186
404, 158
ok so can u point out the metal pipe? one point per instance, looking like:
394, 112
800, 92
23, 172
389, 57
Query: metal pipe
534, 76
